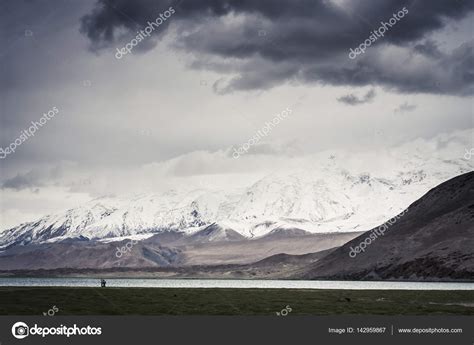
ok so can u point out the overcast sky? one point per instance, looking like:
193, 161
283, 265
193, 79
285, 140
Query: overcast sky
207, 79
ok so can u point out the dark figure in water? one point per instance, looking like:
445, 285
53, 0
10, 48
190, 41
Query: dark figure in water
102, 283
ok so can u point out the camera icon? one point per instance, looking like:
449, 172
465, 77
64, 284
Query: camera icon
20, 330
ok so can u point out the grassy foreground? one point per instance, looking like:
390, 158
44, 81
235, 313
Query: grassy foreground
160, 301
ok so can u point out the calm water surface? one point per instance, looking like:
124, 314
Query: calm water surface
243, 284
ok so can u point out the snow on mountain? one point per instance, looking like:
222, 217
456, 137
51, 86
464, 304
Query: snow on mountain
70, 224
338, 193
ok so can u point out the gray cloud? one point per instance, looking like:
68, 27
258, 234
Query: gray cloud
405, 107
352, 99
429, 48
309, 40
23, 181
37, 177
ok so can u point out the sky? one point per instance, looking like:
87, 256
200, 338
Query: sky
207, 79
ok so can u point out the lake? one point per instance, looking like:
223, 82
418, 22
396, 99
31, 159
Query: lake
242, 284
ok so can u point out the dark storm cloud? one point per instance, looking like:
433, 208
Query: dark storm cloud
306, 39
429, 48
352, 99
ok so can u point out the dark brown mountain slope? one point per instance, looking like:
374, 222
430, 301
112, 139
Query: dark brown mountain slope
433, 240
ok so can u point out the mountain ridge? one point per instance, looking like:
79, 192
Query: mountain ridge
328, 199
433, 240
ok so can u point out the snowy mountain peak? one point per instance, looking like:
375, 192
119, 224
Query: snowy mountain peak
327, 199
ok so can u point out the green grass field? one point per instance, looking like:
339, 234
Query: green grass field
160, 301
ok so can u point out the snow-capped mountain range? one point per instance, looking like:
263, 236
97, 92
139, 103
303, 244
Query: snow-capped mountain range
326, 199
